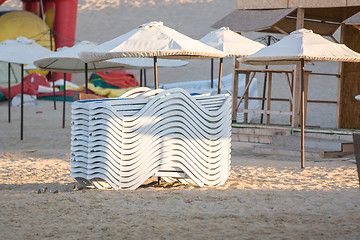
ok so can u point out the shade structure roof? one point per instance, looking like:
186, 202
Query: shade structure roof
151, 40
22, 51
260, 4
302, 44
354, 20
67, 60
231, 42
324, 21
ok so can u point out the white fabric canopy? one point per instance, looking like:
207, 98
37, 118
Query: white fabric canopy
231, 43
67, 60
151, 40
302, 44
21, 51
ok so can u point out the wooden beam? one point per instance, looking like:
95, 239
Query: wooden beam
235, 88
280, 30
326, 74
243, 71
268, 97
268, 112
246, 97
246, 89
300, 18
340, 80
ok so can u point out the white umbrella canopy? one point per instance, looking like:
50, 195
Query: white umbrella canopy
231, 43
21, 51
151, 40
66, 60
302, 46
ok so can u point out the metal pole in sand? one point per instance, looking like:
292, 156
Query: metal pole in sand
22, 103
86, 78
9, 93
64, 100
156, 82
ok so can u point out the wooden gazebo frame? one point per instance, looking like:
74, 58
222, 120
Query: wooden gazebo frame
323, 17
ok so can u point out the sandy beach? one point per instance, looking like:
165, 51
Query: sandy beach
265, 197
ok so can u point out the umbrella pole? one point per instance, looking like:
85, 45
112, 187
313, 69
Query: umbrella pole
302, 116
64, 100
22, 103
145, 84
53, 87
212, 73
86, 78
220, 74
141, 79
9, 93
156, 82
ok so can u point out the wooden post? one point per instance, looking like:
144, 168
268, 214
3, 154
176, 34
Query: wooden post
246, 97
291, 102
235, 87
297, 87
212, 73
268, 97
348, 110
306, 90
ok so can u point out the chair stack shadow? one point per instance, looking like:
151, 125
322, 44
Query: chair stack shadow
120, 143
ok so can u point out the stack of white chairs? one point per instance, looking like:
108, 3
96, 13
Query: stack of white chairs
120, 143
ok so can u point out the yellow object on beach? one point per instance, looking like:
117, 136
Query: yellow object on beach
16, 24
24, 24
109, 92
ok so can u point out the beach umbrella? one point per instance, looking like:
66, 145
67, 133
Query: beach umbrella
151, 40
231, 43
21, 51
67, 60
302, 46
